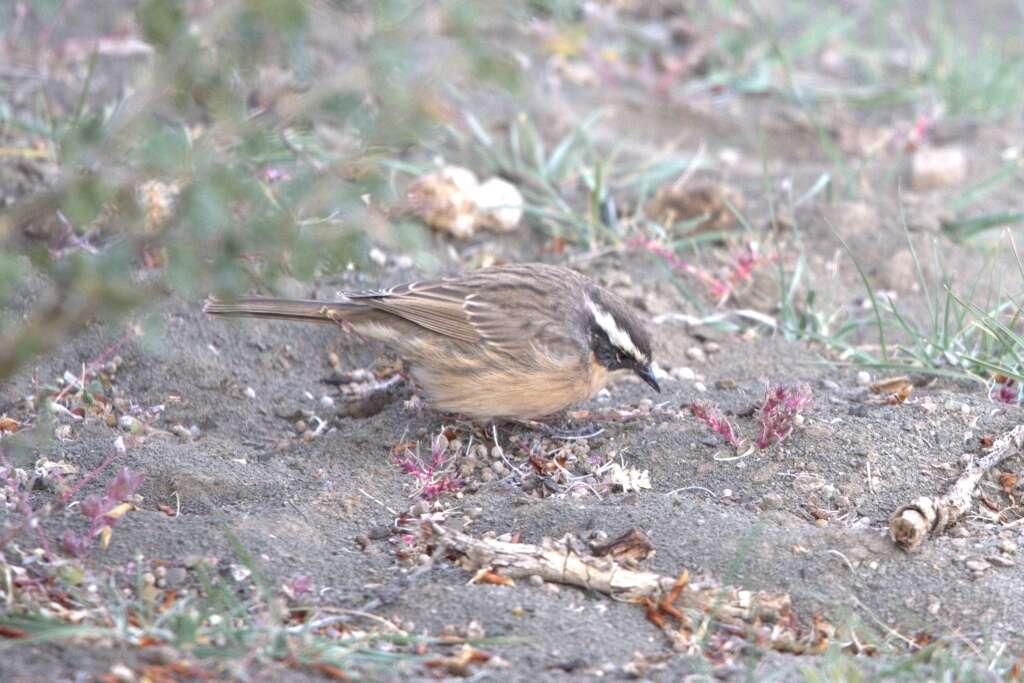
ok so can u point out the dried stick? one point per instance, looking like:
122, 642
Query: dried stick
691, 613
912, 523
567, 561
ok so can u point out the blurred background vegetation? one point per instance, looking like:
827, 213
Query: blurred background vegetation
246, 142
198, 147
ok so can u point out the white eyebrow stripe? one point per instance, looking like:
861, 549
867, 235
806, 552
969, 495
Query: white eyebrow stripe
616, 335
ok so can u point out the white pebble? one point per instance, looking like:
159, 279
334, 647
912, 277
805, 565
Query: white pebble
684, 374
377, 256
250, 392
863, 378
326, 401
129, 423
659, 372
726, 493
699, 386
695, 353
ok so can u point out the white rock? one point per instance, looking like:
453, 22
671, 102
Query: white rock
444, 200
863, 378
934, 167
695, 353
377, 256
500, 204
250, 392
684, 374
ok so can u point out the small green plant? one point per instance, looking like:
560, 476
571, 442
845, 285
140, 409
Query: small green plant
572, 188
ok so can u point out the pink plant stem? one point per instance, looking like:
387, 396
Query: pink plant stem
92, 474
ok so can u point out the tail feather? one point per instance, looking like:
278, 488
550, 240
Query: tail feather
305, 310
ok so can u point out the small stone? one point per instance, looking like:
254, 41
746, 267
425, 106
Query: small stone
475, 630
301, 426
977, 565
700, 388
684, 374
1000, 561
725, 384
377, 256
536, 580
362, 540
148, 578
934, 167
808, 483
121, 673
772, 501
498, 467
712, 347
863, 378
326, 402
250, 392
726, 493
175, 577
695, 353
821, 522
129, 424
1007, 546
182, 432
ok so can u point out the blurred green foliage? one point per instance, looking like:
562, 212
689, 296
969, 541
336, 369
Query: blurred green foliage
247, 148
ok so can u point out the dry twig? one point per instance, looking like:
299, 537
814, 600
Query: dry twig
912, 523
687, 603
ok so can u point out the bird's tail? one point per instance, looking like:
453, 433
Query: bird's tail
304, 310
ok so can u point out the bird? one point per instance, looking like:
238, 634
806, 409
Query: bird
516, 341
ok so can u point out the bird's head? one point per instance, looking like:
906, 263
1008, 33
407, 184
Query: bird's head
617, 337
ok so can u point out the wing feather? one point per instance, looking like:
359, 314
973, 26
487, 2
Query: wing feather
503, 307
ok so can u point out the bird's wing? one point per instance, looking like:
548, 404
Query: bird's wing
437, 306
502, 307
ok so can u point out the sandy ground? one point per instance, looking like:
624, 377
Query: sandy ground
807, 517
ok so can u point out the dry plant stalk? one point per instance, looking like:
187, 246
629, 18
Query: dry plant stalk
912, 523
753, 615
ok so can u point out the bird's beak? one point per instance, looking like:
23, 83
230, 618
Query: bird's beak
646, 373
